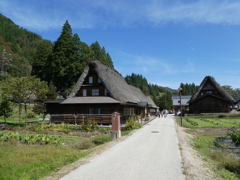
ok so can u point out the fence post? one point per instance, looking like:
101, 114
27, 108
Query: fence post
116, 130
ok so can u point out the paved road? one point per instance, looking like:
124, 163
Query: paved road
151, 153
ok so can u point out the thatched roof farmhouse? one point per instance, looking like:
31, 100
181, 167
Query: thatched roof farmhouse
102, 90
210, 98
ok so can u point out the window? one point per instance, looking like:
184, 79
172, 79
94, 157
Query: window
90, 79
95, 92
94, 110
126, 111
209, 92
99, 80
84, 92
105, 92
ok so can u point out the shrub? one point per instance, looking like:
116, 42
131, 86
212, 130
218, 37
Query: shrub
185, 112
132, 124
222, 115
31, 115
234, 134
89, 125
85, 144
101, 139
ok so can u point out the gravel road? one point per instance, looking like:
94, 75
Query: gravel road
151, 153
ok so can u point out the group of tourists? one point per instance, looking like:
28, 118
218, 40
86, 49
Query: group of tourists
162, 113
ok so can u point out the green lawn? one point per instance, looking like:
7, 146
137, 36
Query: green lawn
21, 161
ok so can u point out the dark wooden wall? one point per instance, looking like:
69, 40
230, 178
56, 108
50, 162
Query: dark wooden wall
210, 104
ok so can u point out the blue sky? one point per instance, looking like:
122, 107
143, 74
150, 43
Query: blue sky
168, 42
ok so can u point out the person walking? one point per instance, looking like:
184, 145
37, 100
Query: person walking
164, 113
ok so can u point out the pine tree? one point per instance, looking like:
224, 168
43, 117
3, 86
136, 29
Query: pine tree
65, 64
40, 65
108, 60
98, 53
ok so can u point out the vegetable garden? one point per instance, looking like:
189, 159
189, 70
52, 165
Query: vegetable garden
218, 139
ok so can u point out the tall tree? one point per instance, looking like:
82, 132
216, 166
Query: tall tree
65, 64
5, 108
165, 101
40, 107
100, 54
40, 65
235, 93
86, 53
188, 88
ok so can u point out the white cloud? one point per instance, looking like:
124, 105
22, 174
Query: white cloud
44, 15
204, 11
149, 66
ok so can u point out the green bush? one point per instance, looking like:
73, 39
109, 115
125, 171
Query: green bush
132, 123
222, 115
85, 144
184, 112
234, 134
31, 115
101, 139
89, 125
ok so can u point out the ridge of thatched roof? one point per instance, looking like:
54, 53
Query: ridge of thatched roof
150, 101
79, 82
138, 93
222, 92
113, 81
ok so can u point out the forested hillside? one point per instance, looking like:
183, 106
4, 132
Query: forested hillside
188, 89
160, 95
20, 47
59, 63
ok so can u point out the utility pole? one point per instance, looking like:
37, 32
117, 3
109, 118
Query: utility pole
179, 89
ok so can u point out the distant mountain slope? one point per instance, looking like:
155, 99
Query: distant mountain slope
170, 89
18, 46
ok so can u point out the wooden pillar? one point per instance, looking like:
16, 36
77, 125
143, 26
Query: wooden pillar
116, 129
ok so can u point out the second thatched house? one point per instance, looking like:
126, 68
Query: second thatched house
98, 93
210, 98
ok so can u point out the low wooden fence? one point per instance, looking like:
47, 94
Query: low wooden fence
79, 118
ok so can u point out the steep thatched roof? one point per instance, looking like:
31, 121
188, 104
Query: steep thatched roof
138, 94
224, 94
113, 82
150, 102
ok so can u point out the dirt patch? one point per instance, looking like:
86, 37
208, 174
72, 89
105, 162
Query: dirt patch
194, 167
208, 131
